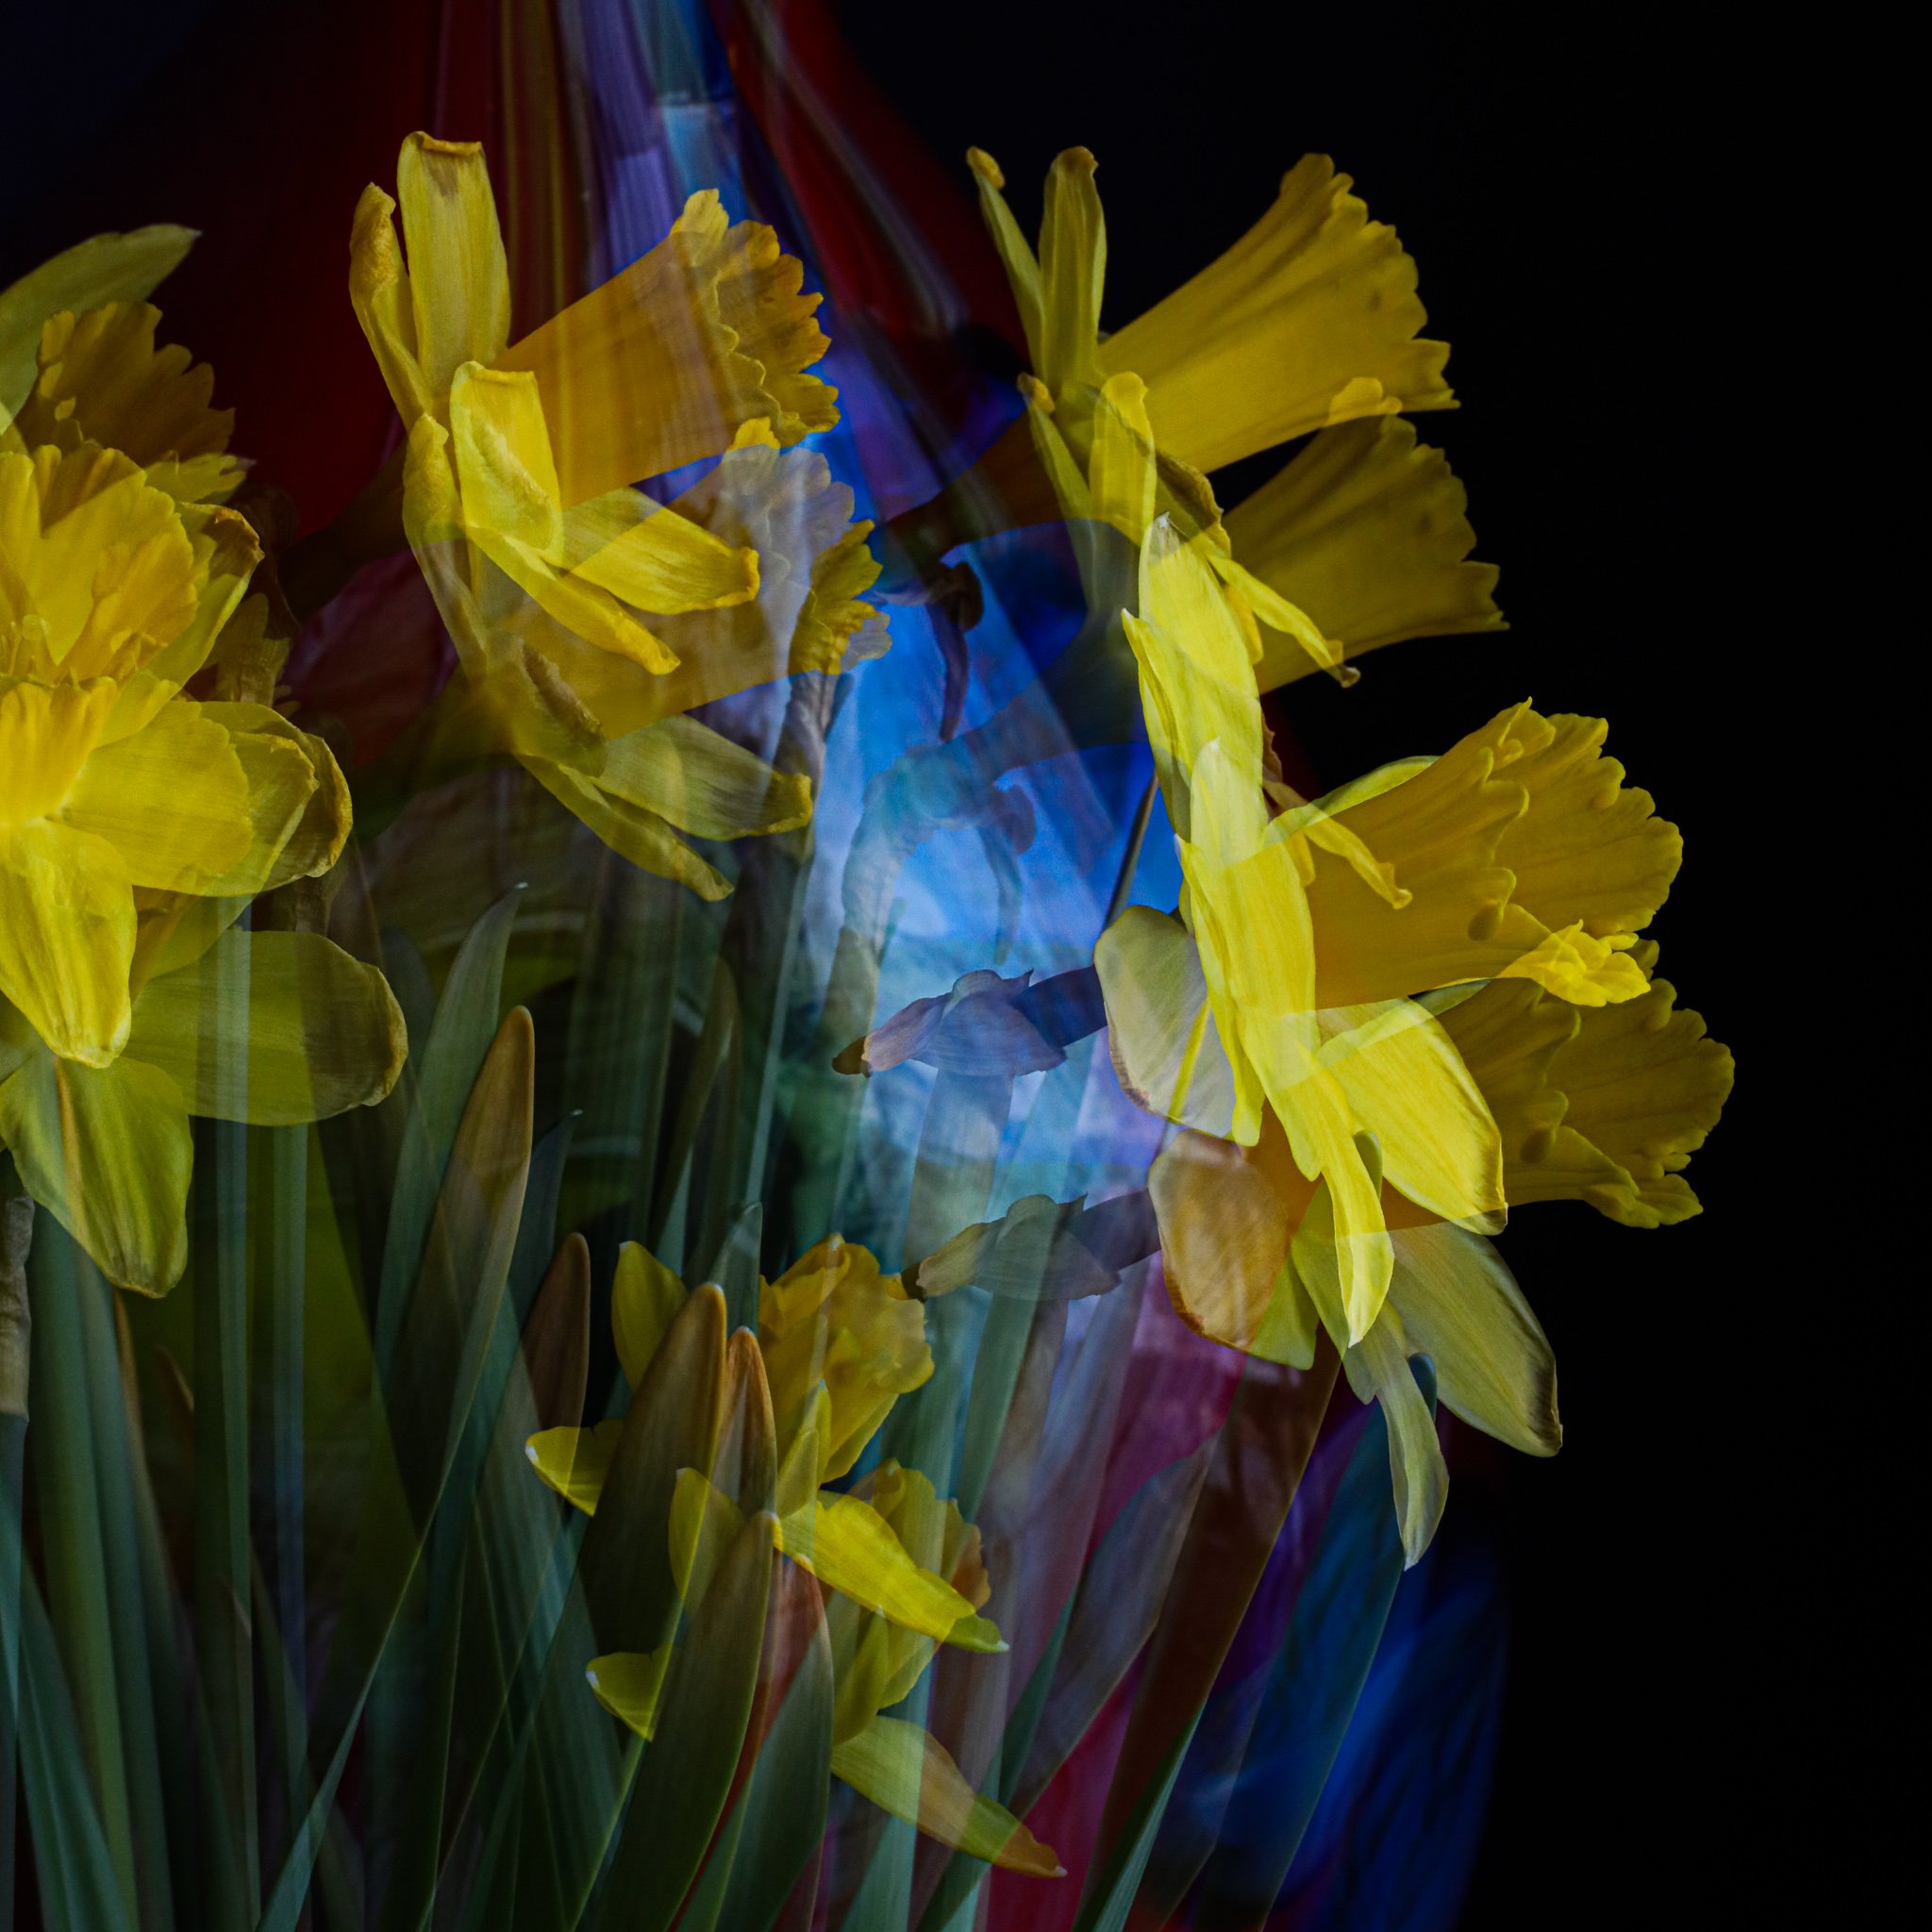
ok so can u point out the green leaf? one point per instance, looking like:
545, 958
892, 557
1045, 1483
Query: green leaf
78, 1883
779, 1818
443, 1351
688, 1770
445, 1071
671, 1424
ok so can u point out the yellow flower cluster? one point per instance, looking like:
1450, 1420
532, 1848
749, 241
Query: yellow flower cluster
138, 820
588, 618
838, 1343
1384, 1016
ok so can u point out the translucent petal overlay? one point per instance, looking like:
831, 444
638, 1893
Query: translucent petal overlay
1459, 1306
645, 1297
66, 938
1227, 1214
107, 1150
103, 380
272, 1028
1367, 531
178, 805
451, 304
1161, 1030
907, 1772
1310, 319
662, 364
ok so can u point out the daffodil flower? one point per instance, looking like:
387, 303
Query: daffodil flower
1310, 323
1602, 1104
838, 1343
276, 1028
112, 783
561, 583
1350, 1084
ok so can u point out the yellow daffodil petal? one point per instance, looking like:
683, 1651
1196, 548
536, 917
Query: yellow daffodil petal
834, 628
175, 929
103, 380
66, 938
1378, 1371
1191, 646
662, 364
1121, 472
1459, 1306
576, 1462
1280, 616
1587, 971
276, 1028
379, 293
313, 843
502, 458
645, 1297
459, 279
582, 608
1319, 827
705, 1522
108, 1151
628, 1685
226, 551
103, 269
1588, 848
1604, 1105
655, 559
1347, 1219
1518, 828
1161, 1032
640, 836
849, 1547
176, 803
47, 734
930, 1528
1015, 251
101, 575
832, 1318
704, 783
1310, 319
874, 1664
1406, 1084
785, 509
1073, 272
1367, 532
909, 1774
805, 1455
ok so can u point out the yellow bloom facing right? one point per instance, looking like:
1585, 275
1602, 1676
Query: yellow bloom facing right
1307, 323
588, 616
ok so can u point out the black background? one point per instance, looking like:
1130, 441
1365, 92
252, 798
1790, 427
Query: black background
1613, 238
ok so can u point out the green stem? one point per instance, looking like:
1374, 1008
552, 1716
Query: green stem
16, 1326
230, 1861
68, 1497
